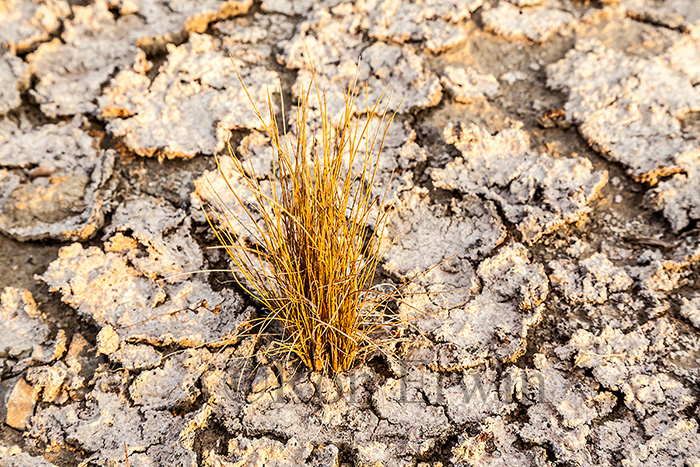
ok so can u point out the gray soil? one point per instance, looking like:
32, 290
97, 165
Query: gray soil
546, 156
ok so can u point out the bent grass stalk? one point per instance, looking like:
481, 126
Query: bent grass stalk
310, 257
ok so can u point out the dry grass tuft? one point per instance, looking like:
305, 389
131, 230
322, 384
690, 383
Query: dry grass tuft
309, 256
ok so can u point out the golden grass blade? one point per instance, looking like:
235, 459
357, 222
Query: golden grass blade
313, 259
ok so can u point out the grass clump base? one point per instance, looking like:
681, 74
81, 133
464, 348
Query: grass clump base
308, 254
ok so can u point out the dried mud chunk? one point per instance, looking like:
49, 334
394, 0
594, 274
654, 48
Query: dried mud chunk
174, 384
400, 406
626, 363
133, 356
491, 325
104, 287
690, 309
593, 280
20, 405
14, 79
71, 70
330, 33
613, 439
263, 452
536, 24
471, 396
25, 334
678, 198
13, 456
629, 109
198, 88
105, 423
657, 275
432, 23
469, 229
24, 23
467, 84
536, 192
259, 35
215, 193
60, 182
405, 71
66, 379
676, 443
317, 409
684, 56
163, 231
561, 410
333, 36
171, 21
494, 446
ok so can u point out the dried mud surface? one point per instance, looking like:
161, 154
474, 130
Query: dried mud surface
544, 177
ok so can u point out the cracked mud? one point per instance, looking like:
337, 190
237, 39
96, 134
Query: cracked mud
543, 178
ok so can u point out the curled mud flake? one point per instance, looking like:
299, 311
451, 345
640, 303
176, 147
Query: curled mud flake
466, 84
536, 23
677, 14
630, 109
197, 86
13, 456
561, 410
536, 192
25, 335
14, 79
104, 286
262, 452
57, 183
25, 23
435, 24
105, 423
72, 70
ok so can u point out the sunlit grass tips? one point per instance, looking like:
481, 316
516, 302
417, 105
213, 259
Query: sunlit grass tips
309, 248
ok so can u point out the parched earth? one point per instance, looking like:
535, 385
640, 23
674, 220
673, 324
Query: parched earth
546, 155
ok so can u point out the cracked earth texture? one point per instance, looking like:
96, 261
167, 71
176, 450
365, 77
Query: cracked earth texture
546, 157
